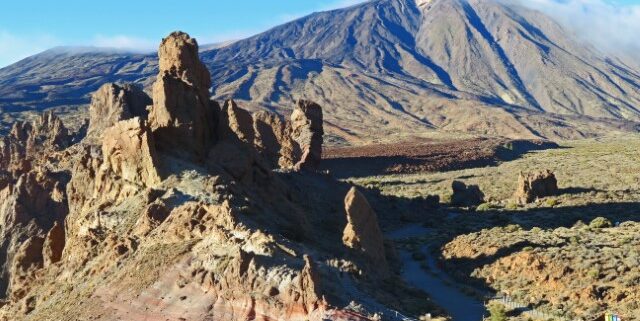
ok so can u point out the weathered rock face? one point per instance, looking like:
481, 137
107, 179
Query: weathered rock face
273, 139
182, 119
307, 132
236, 123
464, 195
532, 186
129, 152
28, 208
362, 232
53, 244
27, 260
113, 103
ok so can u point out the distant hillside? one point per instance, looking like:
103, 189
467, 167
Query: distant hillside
386, 67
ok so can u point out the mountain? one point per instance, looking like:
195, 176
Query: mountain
403, 67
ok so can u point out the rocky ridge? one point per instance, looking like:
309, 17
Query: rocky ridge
180, 210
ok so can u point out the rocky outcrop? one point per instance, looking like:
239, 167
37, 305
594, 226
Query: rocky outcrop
129, 152
183, 214
29, 208
113, 103
464, 195
181, 118
53, 244
293, 144
532, 186
362, 232
273, 139
307, 133
236, 122
26, 262
30, 142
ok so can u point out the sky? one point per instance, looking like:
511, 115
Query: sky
28, 27
31, 26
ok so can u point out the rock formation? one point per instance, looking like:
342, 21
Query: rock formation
532, 186
287, 144
113, 103
181, 117
307, 132
28, 208
53, 244
464, 195
31, 142
184, 214
362, 232
129, 151
26, 262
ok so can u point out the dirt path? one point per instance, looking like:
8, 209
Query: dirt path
435, 282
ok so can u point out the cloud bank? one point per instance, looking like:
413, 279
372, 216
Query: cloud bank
613, 28
14, 47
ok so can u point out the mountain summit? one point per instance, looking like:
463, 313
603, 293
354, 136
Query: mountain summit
400, 66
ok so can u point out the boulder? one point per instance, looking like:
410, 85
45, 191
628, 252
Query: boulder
532, 186
181, 118
362, 232
129, 152
113, 103
464, 195
307, 133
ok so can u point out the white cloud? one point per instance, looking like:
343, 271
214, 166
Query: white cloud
125, 42
15, 47
610, 27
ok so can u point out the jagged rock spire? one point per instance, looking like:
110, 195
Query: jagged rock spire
181, 118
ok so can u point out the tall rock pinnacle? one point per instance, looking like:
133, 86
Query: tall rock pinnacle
181, 119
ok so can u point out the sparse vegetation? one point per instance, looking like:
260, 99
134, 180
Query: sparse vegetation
498, 312
600, 222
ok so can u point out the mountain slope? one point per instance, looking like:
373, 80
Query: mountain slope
399, 66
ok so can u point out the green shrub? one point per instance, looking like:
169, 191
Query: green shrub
511, 207
600, 222
511, 228
551, 202
484, 207
498, 312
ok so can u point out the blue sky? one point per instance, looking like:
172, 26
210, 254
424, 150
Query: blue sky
30, 26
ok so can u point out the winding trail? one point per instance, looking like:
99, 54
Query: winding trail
440, 287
